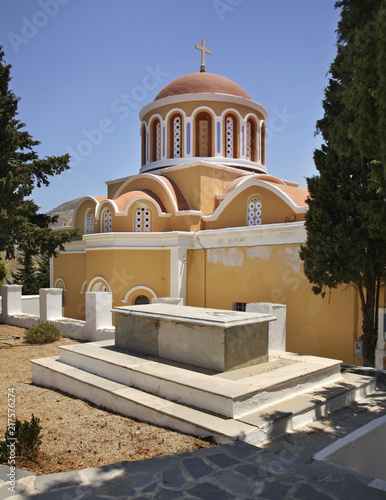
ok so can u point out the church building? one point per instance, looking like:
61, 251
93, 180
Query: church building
204, 220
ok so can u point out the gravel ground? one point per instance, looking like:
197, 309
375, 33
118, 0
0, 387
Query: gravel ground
75, 434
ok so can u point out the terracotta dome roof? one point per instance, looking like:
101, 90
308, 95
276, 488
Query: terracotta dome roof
198, 83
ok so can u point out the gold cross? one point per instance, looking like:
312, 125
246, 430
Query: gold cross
203, 51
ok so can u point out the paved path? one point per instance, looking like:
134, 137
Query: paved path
236, 471
284, 469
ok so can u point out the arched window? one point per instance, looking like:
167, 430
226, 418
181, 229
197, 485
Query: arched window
230, 141
254, 211
156, 140
175, 127
251, 140
107, 220
143, 137
99, 284
262, 146
99, 287
203, 134
141, 299
142, 221
89, 222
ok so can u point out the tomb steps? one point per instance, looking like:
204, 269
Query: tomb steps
252, 404
230, 394
131, 402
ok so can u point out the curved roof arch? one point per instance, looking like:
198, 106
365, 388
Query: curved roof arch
293, 196
168, 187
125, 201
96, 199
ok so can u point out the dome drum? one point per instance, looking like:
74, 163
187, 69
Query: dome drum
217, 128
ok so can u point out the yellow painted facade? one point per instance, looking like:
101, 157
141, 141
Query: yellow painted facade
214, 230
273, 273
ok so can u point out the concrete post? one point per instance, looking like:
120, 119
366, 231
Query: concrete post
178, 270
50, 303
11, 300
380, 352
98, 311
276, 329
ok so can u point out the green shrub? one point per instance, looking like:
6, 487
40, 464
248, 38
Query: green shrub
3, 271
42, 333
28, 440
3, 452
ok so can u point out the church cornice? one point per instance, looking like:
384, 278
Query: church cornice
221, 162
245, 236
200, 98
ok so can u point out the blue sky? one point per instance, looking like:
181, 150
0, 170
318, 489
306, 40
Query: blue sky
72, 60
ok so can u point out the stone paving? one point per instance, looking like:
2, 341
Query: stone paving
281, 469
235, 471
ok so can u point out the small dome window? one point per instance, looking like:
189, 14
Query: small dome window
107, 220
89, 222
142, 220
254, 211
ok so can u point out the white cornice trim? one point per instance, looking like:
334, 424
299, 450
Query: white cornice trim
269, 234
203, 97
251, 236
212, 160
167, 240
75, 247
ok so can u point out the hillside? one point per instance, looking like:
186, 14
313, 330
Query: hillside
65, 212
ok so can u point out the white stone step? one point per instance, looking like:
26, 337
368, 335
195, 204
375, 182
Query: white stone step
49, 372
230, 394
255, 428
282, 417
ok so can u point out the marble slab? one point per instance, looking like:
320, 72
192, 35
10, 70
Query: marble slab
214, 339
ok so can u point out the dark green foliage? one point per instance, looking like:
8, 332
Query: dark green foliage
33, 273
42, 333
362, 44
355, 99
21, 170
28, 440
346, 220
3, 271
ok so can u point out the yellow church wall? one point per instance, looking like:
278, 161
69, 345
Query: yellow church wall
187, 222
125, 269
199, 184
114, 185
274, 210
195, 278
321, 327
71, 268
120, 270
